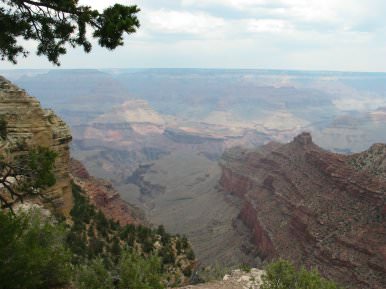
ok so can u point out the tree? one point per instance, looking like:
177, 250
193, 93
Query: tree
140, 273
57, 23
94, 276
27, 174
32, 252
283, 275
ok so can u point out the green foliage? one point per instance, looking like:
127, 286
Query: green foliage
190, 254
245, 267
40, 165
31, 172
54, 24
211, 273
132, 271
184, 242
283, 275
94, 276
3, 128
140, 273
93, 236
161, 231
32, 252
38, 252
167, 255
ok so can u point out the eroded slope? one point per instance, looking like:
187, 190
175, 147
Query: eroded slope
314, 207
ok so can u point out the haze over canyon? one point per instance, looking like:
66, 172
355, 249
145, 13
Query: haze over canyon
249, 164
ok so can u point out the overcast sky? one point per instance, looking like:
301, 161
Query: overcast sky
345, 35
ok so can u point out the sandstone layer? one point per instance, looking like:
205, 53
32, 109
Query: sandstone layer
28, 125
316, 208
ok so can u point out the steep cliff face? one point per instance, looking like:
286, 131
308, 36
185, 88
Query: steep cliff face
104, 197
28, 126
314, 207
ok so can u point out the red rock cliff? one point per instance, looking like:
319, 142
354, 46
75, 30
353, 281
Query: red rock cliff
104, 197
314, 207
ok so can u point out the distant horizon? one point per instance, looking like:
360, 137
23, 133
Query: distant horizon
198, 68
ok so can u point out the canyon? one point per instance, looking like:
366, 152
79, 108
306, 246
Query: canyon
316, 208
90, 212
102, 195
209, 154
29, 126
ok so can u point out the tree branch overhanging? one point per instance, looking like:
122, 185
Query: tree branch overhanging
54, 24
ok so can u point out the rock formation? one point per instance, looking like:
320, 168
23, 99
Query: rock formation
237, 279
104, 197
29, 125
316, 208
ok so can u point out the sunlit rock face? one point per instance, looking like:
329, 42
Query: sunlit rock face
28, 123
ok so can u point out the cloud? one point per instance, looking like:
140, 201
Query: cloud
183, 22
269, 25
364, 104
304, 34
346, 13
237, 4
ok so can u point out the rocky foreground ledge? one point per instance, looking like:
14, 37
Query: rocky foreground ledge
237, 279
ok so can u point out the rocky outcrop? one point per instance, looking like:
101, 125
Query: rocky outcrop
28, 125
104, 197
372, 161
314, 207
236, 279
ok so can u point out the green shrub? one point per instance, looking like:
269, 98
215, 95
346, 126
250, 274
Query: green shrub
107, 240
32, 252
245, 267
212, 273
140, 273
283, 275
190, 254
34, 170
94, 276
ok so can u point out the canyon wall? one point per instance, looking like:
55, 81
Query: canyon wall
103, 196
316, 208
29, 125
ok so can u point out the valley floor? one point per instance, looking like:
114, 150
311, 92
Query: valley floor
191, 204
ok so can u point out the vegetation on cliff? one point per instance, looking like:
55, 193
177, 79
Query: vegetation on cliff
24, 172
33, 253
37, 251
93, 236
282, 274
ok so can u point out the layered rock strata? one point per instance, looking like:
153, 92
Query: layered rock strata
28, 125
314, 207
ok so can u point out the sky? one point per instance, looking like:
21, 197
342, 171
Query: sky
342, 35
